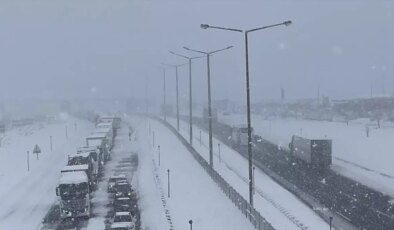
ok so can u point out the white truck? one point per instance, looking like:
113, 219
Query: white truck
239, 135
74, 195
81, 168
85, 158
99, 140
96, 155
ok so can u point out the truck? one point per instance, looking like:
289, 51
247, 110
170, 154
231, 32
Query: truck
85, 159
74, 195
95, 154
239, 135
115, 120
100, 141
106, 129
81, 168
316, 153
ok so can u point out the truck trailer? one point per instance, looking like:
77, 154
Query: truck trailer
317, 153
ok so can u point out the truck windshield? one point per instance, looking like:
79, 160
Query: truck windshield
123, 218
75, 190
78, 161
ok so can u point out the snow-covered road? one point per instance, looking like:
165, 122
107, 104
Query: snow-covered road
193, 195
364, 159
281, 208
26, 196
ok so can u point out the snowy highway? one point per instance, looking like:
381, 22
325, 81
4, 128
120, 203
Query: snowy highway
281, 208
194, 196
28, 195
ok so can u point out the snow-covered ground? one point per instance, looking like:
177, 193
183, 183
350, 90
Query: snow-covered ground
365, 159
281, 208
193, 195
26, 196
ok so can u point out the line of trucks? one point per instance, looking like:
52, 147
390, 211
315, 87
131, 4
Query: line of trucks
80, 176
316, 153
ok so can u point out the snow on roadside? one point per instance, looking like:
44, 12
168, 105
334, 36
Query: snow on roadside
281, 208
193, 194
27, 195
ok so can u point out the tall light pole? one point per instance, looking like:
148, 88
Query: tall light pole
190, 94
177, 91
246, 32
208, 54
164, 94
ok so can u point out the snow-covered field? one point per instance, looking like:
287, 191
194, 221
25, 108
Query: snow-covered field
365, 159
281, 208
193, 195
26, 196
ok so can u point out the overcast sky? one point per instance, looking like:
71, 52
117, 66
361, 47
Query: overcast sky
112, 48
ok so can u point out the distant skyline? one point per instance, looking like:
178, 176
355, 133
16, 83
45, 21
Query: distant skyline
109, 49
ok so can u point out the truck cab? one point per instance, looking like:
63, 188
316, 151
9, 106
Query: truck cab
73, 192
81, 168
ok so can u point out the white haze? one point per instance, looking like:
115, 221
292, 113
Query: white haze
112, 48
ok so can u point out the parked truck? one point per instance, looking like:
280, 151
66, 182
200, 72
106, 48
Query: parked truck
74, 195
316, 153
96, 155
100, 141
239, 135
81, 168
85, 159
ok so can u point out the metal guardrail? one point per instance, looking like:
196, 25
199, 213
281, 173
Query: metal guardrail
250, 213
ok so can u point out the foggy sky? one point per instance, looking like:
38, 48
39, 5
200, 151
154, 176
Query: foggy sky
113, 48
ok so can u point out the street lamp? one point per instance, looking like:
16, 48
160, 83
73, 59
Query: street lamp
246, 32
164, 94
208, 54
177, 91
190, 94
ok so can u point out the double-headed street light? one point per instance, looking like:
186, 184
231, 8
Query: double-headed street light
208, 54
246, 32
190, 94
177, 91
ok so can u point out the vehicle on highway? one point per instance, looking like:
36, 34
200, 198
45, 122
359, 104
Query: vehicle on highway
73, 192
123, 204
239, 135
112, 181
316, 153
96, 155
85, 159
124, 217
123, 189
80, 168
101, 141
122, 226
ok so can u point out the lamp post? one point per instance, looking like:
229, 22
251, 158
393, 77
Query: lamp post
246, 32
208, 55
190, 94
177, 91
164, 94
